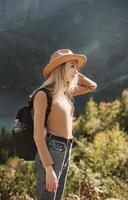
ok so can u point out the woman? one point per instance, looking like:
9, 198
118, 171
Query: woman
54, 145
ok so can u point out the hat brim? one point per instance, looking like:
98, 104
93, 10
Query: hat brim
81, 59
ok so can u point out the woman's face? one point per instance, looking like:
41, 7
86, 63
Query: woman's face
70, 70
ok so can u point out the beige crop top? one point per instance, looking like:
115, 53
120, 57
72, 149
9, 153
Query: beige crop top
59, 120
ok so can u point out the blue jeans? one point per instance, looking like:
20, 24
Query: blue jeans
60, 153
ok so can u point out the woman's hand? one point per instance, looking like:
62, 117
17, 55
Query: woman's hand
51, 179
85, 85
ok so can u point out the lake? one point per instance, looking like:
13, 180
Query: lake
10, 101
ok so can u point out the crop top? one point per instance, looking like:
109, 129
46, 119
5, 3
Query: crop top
59, 119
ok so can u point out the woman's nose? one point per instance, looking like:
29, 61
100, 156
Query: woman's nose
75, 70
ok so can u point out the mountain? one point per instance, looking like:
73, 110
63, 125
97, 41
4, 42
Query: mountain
30, 31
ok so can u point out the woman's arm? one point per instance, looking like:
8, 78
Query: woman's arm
85, 85
40, 106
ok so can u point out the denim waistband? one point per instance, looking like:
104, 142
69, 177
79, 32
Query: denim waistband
66, 141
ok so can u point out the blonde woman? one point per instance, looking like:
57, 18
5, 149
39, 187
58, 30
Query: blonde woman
54, 144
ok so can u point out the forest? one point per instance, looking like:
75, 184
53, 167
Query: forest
99, 162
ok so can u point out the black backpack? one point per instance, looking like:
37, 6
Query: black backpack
22, 131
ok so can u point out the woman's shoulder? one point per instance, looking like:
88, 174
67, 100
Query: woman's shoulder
40, 97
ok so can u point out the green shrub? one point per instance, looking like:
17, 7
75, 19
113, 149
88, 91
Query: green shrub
18, 179
108, 150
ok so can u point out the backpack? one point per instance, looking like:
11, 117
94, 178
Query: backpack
22, 131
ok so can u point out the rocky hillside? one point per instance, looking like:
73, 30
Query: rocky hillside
31, 30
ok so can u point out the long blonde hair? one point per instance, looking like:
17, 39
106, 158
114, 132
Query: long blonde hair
58, 85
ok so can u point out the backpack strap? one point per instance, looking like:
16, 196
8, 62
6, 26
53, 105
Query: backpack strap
49, 100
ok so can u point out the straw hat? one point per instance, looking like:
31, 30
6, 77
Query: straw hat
61, 56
